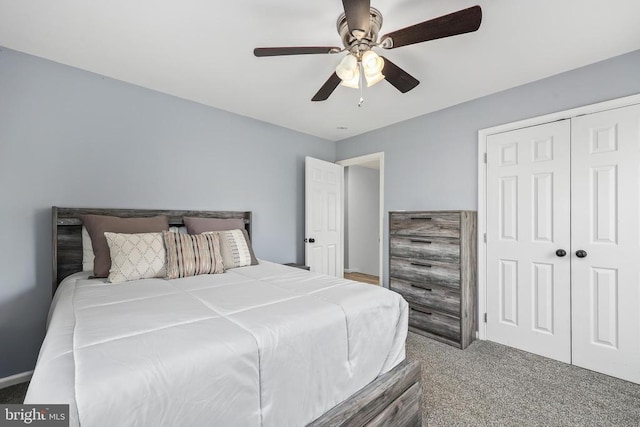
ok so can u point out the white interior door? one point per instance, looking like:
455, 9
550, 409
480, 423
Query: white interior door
324, 216
606, 226
528, 215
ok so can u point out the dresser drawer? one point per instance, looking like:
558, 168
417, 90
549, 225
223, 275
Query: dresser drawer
432, 248
442, 299
435, 323
425, 272
433, 224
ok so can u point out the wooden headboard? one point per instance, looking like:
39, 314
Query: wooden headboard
67, 231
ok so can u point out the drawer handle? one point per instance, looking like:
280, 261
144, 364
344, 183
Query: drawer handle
421, 218
419, 264
420, 311
420, 287
420, 241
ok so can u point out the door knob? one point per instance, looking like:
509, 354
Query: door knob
312, 240
561, 252
581, 253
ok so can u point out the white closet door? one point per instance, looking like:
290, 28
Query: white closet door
605, 183
528, 202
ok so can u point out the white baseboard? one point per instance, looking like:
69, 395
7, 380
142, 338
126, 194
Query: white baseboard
15, 379
351, 270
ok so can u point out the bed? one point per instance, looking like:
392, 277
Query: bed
261, 345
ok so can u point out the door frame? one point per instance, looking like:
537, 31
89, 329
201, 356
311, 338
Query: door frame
356, 161
482, 182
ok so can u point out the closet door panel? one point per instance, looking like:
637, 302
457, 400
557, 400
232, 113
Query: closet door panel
605, 187
528, 201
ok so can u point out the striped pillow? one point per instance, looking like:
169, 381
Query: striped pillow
191, 255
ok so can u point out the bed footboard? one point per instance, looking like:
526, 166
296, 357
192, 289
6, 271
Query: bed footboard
393, 399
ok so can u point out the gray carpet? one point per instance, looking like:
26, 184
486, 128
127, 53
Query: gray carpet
492, 385
13, 394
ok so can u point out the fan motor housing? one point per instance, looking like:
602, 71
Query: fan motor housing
351, 43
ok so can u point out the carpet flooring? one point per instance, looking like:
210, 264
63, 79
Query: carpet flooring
488, 384
13, 394
492, 385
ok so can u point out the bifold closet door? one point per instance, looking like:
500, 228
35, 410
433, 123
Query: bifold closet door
528, 225
605, 226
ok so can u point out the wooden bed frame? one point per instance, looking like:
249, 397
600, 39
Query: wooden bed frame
392, 399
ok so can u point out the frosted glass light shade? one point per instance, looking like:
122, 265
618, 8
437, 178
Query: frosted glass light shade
373, 66
347, 69
354, 82
373, 79
371, 62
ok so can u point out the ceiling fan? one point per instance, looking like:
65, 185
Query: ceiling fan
358, 27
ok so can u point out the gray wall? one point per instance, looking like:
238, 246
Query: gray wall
363, 219
132, 147
431, 160
73, 138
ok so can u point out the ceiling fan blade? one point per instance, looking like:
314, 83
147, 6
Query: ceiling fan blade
294, 50
327, 88
460, 22
358, 16
399, 78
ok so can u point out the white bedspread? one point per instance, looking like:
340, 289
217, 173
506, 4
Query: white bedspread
265, 345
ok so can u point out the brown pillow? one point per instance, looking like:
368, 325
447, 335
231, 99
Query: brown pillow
97, 225
204, 225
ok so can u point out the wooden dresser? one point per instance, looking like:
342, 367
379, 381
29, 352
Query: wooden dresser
432, 263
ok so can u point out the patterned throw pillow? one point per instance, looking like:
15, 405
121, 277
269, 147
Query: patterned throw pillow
234, 248
136, 256
191, 255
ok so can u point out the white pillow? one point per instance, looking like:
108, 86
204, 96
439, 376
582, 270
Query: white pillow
87, 251
136, 256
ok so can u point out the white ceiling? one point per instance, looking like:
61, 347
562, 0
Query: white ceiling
202, 51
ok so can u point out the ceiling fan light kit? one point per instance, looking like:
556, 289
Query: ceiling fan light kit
358, 28
349, 69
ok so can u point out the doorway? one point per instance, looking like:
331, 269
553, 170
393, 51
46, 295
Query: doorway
363, 217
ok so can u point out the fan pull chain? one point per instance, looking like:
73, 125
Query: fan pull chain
360, 83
